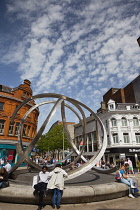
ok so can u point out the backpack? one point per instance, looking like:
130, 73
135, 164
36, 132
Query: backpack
118, 176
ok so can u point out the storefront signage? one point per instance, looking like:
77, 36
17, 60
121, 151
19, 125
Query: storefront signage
122, 150
134, 150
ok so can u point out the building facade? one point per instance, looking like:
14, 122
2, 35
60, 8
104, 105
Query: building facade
122, 123
10, 98
120, 114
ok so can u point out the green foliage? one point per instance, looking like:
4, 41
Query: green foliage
53, 140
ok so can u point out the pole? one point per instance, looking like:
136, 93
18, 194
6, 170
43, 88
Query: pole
63, 144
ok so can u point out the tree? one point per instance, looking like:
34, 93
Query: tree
53, 140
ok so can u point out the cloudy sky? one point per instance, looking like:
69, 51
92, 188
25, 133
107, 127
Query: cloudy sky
79, 48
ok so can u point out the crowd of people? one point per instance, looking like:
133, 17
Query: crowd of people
48, 160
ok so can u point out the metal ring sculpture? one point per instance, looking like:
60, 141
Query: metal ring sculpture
60, 102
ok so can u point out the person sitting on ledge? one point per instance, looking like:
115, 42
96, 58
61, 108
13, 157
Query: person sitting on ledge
7, 166
42, 185
126, 180
4, 178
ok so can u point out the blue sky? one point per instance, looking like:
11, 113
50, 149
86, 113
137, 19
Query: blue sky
79, 48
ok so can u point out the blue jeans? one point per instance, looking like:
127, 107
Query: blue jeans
56, 198
128, 182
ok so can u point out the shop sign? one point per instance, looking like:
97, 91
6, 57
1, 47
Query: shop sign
134, 150
122, 150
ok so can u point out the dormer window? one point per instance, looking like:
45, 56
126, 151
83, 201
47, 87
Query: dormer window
111, 105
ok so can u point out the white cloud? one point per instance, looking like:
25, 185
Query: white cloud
73, 49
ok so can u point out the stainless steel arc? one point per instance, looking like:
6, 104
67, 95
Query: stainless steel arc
61, 99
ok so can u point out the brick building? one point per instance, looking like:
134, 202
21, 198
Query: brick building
10, 98
129, 94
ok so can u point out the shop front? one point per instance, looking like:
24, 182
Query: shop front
116, 154
8, 152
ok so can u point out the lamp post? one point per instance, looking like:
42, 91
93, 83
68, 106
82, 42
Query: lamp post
138, 40
63, 144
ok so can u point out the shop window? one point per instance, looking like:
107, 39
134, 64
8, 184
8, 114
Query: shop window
94, 138
126, 138
124, 121
137, 135
115, 138
95, 147
89, 137
90, 148
114, 122
1, 105
2, 126
135, 121
85, 148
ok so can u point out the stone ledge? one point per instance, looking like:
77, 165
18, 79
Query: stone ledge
71, 194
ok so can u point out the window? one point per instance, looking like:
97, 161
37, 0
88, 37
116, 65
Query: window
111, 106
28, 131
124, 121
24, 130
137, 138
94, 137
1, 105
90, 148
2, 126
135, 121
108, 140
89, 137
106, 124
11, 129
114, 122
95, 147
115, 138
17, 127
126, 138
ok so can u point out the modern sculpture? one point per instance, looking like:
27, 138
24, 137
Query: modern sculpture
61, 101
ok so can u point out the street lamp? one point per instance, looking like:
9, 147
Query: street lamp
138, 40
63, 144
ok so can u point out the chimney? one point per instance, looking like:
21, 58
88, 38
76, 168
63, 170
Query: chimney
27, 82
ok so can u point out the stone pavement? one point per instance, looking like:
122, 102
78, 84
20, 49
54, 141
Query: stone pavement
123, 203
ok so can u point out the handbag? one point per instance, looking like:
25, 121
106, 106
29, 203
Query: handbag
5, 184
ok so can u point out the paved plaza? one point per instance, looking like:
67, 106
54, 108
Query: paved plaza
124, 203
91, 177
